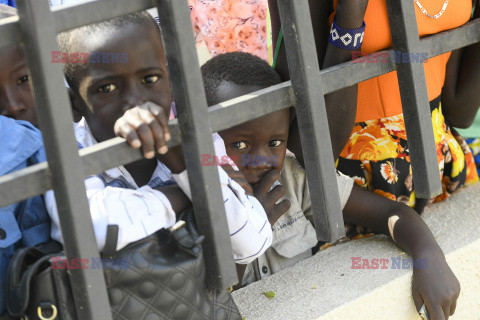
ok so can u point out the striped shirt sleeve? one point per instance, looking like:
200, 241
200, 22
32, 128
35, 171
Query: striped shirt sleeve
249, 229
138, 213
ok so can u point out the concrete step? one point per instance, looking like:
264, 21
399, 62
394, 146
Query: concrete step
326, 287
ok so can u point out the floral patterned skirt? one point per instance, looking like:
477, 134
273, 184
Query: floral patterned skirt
377, 158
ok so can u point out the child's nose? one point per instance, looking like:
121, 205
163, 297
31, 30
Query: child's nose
258, 161
9, 107
133, 97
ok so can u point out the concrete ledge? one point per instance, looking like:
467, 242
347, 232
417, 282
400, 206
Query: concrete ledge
326, 287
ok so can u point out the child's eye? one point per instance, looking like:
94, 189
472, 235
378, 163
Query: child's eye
23, 80
275, 143
150, 79
240, 145
107, 88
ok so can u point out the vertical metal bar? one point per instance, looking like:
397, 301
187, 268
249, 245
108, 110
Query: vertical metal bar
414, 95
190, 99
54, 112
312, 118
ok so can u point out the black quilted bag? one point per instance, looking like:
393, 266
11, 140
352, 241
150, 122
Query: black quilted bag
159, 277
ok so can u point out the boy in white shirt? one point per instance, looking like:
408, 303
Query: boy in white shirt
144, 196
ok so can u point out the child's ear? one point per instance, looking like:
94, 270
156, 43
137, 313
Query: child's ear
76, 102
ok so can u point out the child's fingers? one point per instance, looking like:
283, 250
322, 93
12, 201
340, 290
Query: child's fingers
283, 206
143, 131
125, 130
276, 193
278, 211
267, 182
417, 298
162, 118
435, 311
146, 137
156, 130
239, 178
228, 169
453, 306
446, 309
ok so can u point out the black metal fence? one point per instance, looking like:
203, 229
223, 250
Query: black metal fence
37, 27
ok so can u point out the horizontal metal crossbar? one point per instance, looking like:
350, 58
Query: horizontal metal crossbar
352, 72
71, 17
349, 73
36, 179
455, 39
74, 16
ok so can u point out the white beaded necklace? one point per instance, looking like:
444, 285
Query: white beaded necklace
438, 15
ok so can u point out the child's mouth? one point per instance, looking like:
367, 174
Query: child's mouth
255, 180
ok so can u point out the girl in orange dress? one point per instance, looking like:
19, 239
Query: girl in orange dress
377, 153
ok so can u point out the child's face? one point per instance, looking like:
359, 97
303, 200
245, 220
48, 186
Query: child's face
16, 96
107, 90
256, 146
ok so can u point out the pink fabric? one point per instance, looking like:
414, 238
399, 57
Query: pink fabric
231, 25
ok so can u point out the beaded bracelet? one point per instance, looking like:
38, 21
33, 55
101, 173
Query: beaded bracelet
349, 39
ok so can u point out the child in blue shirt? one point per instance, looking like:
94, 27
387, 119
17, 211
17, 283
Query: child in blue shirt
26, 223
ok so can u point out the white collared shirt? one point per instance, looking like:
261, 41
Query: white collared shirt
115, 198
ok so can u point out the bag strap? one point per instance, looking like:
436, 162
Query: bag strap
24, 265
185, 235
111, 240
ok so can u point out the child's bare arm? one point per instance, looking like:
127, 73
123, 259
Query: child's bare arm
178, 199
461, 92
436, 286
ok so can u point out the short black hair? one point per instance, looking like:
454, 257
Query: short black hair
74, 40
7, 11
239, 68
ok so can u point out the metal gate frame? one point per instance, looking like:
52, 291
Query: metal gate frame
37, 26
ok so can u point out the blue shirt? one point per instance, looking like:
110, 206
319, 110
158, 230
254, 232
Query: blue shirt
10, 3
26, 223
